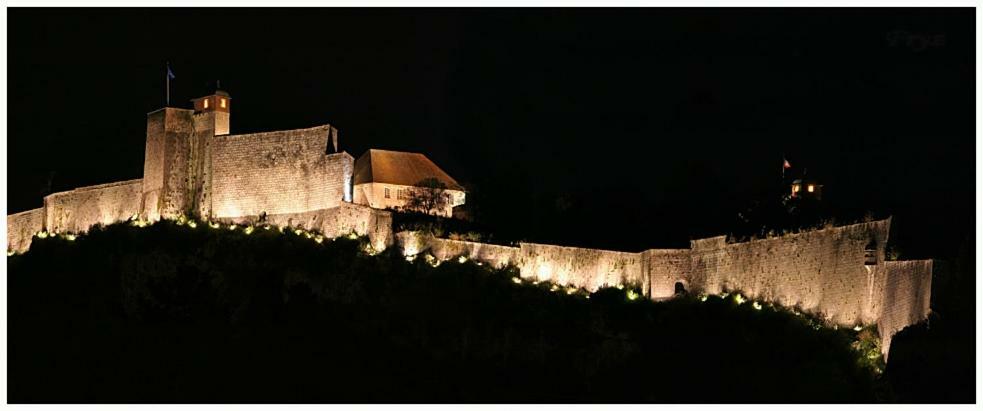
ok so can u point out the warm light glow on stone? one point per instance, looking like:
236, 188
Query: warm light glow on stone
858, 328
516, 280
462, 259
70, 237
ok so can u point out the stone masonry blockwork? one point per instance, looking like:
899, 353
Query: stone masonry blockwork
822, 272
21, 228
77, 210
278, 172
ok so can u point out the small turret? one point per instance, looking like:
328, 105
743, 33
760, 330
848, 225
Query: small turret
217, 108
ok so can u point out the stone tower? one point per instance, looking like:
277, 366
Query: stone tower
177, 162
165, 163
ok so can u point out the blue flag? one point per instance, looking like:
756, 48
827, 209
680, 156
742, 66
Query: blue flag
170, 74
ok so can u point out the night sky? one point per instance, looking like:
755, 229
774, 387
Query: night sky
617, 128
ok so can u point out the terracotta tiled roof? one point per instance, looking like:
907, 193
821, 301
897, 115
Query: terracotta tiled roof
398, 167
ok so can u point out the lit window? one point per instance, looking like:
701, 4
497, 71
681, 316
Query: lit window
387, 192
795, 188
206, 103
810, 188
222, 103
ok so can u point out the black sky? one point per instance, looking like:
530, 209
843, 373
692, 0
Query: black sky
641, 127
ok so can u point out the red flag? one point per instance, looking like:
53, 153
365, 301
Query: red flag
786, 165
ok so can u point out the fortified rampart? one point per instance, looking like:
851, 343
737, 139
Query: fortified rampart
821, 272
278, 172
21, 228
837, 273
346, 218
77, 210
905, 297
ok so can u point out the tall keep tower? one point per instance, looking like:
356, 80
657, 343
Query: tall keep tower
177, 166
165, 165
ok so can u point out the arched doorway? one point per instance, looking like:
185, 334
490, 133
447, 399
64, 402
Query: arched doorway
680, 288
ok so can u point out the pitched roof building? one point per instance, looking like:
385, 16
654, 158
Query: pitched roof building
390, 179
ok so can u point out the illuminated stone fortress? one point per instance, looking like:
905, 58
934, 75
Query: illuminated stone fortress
300, 179
194, 167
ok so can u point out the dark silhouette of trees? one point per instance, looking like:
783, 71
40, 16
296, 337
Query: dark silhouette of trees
428, 196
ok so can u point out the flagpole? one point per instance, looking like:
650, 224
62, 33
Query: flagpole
167, 76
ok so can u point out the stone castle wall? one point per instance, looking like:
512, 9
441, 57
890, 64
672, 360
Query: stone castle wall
21, 228
906, 297
344, 219
279, 172
819, 271
498, 256
580, 267
77, 210
664, 267
822, 272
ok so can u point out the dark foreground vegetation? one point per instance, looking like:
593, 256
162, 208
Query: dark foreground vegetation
169, 313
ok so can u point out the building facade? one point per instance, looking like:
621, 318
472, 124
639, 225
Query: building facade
405, 181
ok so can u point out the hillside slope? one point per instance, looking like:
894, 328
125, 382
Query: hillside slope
170, 313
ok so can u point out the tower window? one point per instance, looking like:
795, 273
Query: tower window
222, 103
206, 103
387, 192
810, 188
795, 188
